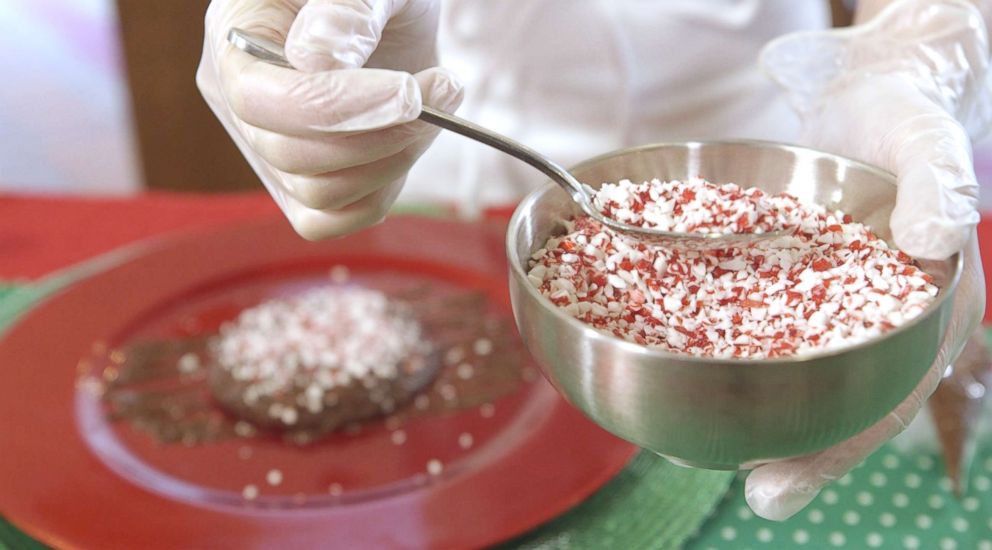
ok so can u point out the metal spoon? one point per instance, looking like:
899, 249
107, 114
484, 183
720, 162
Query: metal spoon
272, 52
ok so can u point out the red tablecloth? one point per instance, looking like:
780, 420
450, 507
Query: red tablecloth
41, 234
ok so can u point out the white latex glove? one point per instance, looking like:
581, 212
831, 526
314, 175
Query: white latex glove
897, 92
334, 139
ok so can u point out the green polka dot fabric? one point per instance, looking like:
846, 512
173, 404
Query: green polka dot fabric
897, 499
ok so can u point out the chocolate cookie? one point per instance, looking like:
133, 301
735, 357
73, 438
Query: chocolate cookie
320, 359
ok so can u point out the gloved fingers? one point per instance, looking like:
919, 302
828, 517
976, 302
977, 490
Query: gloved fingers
936, 207
310, 156
337, 190
290, 102
969, 303
967, 310
336, 34
905, 132
441, 89
342, 34
777, 490
270, 20
903, 91
322, 153
409, 40
313, 224
332, 145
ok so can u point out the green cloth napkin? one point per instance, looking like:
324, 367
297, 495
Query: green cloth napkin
651, 504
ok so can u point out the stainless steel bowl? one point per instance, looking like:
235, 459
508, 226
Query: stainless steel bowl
713, 413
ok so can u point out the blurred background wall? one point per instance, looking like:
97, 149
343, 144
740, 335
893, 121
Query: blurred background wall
65, 118
100, 98
180, 143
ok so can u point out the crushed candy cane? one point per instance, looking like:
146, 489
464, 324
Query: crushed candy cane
695, 206
332, 336
829, 284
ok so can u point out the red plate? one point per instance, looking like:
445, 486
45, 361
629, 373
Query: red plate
72, 479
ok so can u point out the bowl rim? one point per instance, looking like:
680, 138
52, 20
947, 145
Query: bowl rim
520, 276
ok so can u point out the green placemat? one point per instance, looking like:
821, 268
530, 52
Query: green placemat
13, 539
651, 504
14, 300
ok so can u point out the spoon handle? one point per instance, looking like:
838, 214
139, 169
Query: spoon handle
272, 52
513, 148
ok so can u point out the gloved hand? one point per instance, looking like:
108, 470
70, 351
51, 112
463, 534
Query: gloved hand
334, 139
897, 92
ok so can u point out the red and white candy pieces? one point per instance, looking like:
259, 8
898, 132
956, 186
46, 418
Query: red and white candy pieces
829, 284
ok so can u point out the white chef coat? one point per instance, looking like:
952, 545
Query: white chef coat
577, 78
